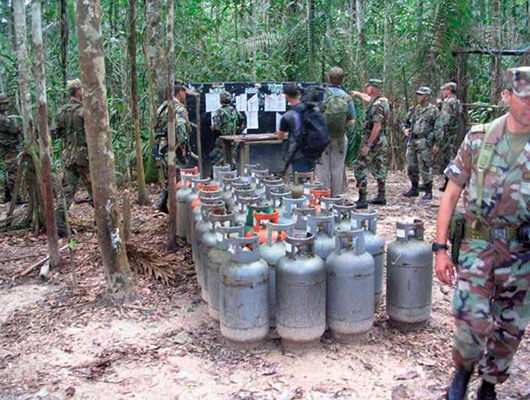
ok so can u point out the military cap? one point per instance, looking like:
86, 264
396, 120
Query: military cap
519, 81
424, 90
448, 85
3, 98
378, 83
73, 84
225, 98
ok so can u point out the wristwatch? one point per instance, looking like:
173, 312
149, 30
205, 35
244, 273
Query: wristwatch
439, 246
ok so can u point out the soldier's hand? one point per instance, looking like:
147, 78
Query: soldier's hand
445, 270
435, 150
365, 149
406, 132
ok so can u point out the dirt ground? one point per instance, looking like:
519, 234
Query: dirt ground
59, 340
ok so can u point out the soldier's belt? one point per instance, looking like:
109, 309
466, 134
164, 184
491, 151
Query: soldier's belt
482, 232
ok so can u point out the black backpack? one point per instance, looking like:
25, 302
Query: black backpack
315, 136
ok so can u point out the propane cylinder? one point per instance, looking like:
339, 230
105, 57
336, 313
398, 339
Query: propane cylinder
218, 258
289, 204
277, 197
343, 215
258, 176
186, 171
241, 185
208, 242
323, 228
182, 210
227, 177
260, 227
243, 202
309, 186
297, 186
409, 276
327, 203
248, 169
300, 293
205, 198
316, 196
197, 184
272, 251
350, 287
375, 245
219, 168
301, 216
202, 227
244, 294
273, 187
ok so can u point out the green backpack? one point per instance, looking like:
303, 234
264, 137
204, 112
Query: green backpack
230, 124
337, 113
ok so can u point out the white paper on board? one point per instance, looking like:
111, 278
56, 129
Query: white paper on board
253, 104
275, 102
213, 103
241, 102
252, 120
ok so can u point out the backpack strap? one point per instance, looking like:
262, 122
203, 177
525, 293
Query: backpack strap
485, 155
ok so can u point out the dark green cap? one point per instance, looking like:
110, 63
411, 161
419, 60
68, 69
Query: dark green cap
424, 90
225, 98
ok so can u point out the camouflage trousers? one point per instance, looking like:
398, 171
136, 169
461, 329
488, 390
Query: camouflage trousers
217, 155
10, 168
447, 152
75, 175
419, 161
375, 162
491, 305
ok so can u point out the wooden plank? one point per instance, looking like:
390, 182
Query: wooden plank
485, 51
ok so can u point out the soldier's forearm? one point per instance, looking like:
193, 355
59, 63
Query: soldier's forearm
447, 208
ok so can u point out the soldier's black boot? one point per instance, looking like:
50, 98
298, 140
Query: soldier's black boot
7, 194
413, 192
62, 226
458, 388
422, 187
444, 186
161, 205
361, 203
428, 192
381, 195
486, 391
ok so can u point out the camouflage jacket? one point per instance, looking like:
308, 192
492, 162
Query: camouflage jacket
378, 110
506, 193
228, 121
70, 126
182, 125
10, 132
424, 122
450, 115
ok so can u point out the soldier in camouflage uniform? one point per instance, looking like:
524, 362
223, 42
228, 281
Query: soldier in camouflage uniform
491, 302
182, 132
226, 121
70, 126
374, 148
423, 128
10, 140
450, 116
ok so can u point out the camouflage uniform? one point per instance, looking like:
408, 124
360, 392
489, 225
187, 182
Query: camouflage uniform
70, 127
226, 121
425, 132
182, 132
376, 160
492, 299
450, 117
10, 140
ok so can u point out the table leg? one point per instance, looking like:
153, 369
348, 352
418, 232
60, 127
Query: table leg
227, 144
245, 157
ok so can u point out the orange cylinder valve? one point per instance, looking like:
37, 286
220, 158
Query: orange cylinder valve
315, 197
203, 188
186, 171
260, 226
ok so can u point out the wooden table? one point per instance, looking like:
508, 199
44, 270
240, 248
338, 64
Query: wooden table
245, 141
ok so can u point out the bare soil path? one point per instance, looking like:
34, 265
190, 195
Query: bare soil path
60, 342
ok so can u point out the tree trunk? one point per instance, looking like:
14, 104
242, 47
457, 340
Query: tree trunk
155, 64
101, 156
23, 72
496, 60
143, 199
63, 22
359, 12
44, 137
311, 42
172, 173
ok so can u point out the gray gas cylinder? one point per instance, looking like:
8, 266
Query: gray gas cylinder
206, 197
297, 185
248, 169
244, 293
227, 193
409, 276
375, 245
277, 197
301, 216
243, 202
202, 227
182, 210
196, 182
258, 177
300, 293
272, 251
323, 228
219, 258
273, 187
289, 204
208, 242
327, 203
219, 168
350, 287
343, 215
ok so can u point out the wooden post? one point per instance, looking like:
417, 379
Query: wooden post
198, 132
